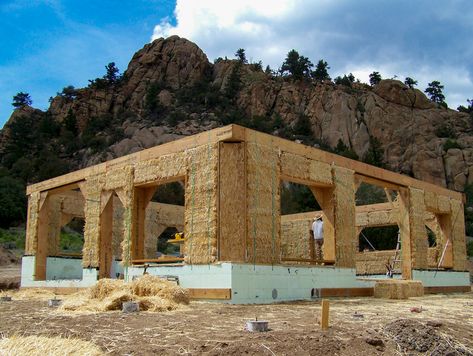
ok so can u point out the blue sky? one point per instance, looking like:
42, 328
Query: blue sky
49, 44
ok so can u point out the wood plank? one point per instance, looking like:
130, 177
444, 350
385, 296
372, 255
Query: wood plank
325, 314
346, 292
447, 289
157, 260
308, 260
106, 238
41, 254
210, 293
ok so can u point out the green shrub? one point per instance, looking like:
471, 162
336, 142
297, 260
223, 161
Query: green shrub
450, 144
469, 248
445, 131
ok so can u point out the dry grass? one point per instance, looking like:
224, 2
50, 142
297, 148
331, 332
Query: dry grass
41, 345
30, 294
152, 293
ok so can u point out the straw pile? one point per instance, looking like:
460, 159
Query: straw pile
32, 294
152, 293
41, 345
398, 289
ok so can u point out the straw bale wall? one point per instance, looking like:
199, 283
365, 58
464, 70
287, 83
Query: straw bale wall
377, 218
31, 243
344, 220
232, 203
54, 225
161, 168
263, 209
126, 196
443, 205
295, 239
201, 204
92, 189
418, 239
374, 262
300, 167
458, 235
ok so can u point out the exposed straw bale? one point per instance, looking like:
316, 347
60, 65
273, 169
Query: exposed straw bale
91, 190
419, 241
151, 292
458, 235
431, 201
374, 262
118, 178
344, 221
42, 345
117, 228
398, 289
263, 242
295, 239
31, 244
300, 167
443, 204
201, 204
54, 222
161, 168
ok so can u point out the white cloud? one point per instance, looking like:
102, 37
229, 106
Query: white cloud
403, 39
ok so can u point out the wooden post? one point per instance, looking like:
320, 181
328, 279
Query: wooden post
325, 314
42, 250
142, 197
405, 231
106, 231
324, 198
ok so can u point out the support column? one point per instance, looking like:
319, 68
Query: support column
419, 241
55, 215
42, 231
106, 231
405, 232
324, 198
458, 235
142, 197
344, 217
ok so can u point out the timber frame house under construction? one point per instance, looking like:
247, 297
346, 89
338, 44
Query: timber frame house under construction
236, 245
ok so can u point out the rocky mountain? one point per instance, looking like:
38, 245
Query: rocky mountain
171, 89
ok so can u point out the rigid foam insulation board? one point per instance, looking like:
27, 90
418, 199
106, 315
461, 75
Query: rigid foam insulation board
31, 243
302, 168
232, 203
418, 233
458, 235
263, 204
344, 219
201, 204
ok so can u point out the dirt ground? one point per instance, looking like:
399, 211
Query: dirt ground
361, 326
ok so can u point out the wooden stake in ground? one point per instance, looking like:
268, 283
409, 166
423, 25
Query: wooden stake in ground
325, 313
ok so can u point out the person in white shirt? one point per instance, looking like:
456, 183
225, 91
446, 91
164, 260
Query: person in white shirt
318, 231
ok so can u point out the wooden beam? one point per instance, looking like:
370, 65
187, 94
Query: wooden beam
157, 260
64, 189
325, 314
308, 260
447, 289
210, 293
377, 182
219, 134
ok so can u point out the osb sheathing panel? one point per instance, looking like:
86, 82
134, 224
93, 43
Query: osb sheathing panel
419, 242
232, 204
162, 168
295, 239
374, 262
91, 189
458, 235
263, 204
158, 218
31, 243
303, 168
344, 219
201, 204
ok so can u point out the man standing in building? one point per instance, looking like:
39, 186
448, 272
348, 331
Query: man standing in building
318, 231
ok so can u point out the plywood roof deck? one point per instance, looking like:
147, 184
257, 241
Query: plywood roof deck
236, 133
